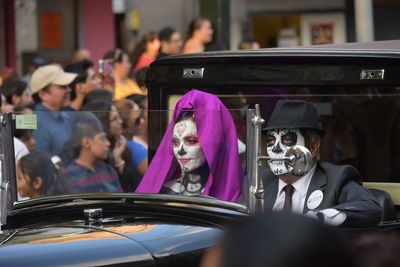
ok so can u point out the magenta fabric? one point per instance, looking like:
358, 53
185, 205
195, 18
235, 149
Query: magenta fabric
218, 139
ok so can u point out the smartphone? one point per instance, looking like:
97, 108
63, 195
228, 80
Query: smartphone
106, 66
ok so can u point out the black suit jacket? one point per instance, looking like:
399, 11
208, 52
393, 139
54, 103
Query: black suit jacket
342, 190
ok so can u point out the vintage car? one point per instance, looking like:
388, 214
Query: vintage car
355, 88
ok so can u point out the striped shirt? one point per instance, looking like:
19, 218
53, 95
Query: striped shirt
83, 180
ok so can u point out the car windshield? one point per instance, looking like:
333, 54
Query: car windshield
199, 151
93, 151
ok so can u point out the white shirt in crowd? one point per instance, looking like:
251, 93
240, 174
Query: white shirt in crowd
20, 149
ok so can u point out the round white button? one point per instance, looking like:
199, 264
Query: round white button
315, 199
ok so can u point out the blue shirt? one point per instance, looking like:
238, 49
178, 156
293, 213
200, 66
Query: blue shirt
104, 179
138, 152
53, 129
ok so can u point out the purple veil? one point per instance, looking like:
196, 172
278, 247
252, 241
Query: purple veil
218, 139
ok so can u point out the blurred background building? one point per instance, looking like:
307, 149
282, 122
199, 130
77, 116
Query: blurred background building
54, 29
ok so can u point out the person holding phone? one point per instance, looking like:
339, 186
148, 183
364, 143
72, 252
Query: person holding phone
121, 67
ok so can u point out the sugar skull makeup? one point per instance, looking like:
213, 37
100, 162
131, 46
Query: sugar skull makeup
186, 145
278, 143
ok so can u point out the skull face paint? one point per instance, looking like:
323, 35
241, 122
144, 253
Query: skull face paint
278, 143
186, 146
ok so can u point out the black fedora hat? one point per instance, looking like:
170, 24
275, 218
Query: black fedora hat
294, 114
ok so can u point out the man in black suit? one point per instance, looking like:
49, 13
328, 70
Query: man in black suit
331, 193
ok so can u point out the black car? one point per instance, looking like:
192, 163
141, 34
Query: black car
355, 88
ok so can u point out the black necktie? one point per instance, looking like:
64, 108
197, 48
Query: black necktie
289, 189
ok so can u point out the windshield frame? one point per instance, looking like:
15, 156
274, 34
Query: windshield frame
8, 173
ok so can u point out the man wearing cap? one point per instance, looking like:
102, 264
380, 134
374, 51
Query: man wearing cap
331, 193
52, 94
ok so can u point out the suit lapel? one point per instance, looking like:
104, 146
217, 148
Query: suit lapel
270, 193
318, 182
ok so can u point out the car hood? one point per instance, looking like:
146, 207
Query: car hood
70, 245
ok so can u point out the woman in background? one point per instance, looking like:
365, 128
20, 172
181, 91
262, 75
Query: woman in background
146, 51
121, 68
200, 33
132, 117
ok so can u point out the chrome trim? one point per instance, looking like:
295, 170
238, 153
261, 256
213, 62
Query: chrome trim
129, 199
93, 213
3, 193
256, 189
93, 216
193, 73
372, 74
9, 237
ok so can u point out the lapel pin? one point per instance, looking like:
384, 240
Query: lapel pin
315, 199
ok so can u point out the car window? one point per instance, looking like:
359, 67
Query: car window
361, 123
78, 152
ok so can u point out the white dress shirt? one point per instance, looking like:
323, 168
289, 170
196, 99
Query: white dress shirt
299, 194
331, 216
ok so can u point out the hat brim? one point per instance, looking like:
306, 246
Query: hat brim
317, 130
50, 74
64, 78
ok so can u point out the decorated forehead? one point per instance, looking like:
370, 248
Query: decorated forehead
184, 122
281, 132
185, 127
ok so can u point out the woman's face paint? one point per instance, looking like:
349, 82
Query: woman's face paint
186, 145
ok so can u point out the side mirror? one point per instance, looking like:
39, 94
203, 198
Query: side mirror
298, 160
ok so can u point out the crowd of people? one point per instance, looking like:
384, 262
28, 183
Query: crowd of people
91, 124
84, 138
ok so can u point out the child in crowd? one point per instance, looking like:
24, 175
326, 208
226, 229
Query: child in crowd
26, 137
98, 95
120, 156
84, 155
38, 177
16, 94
